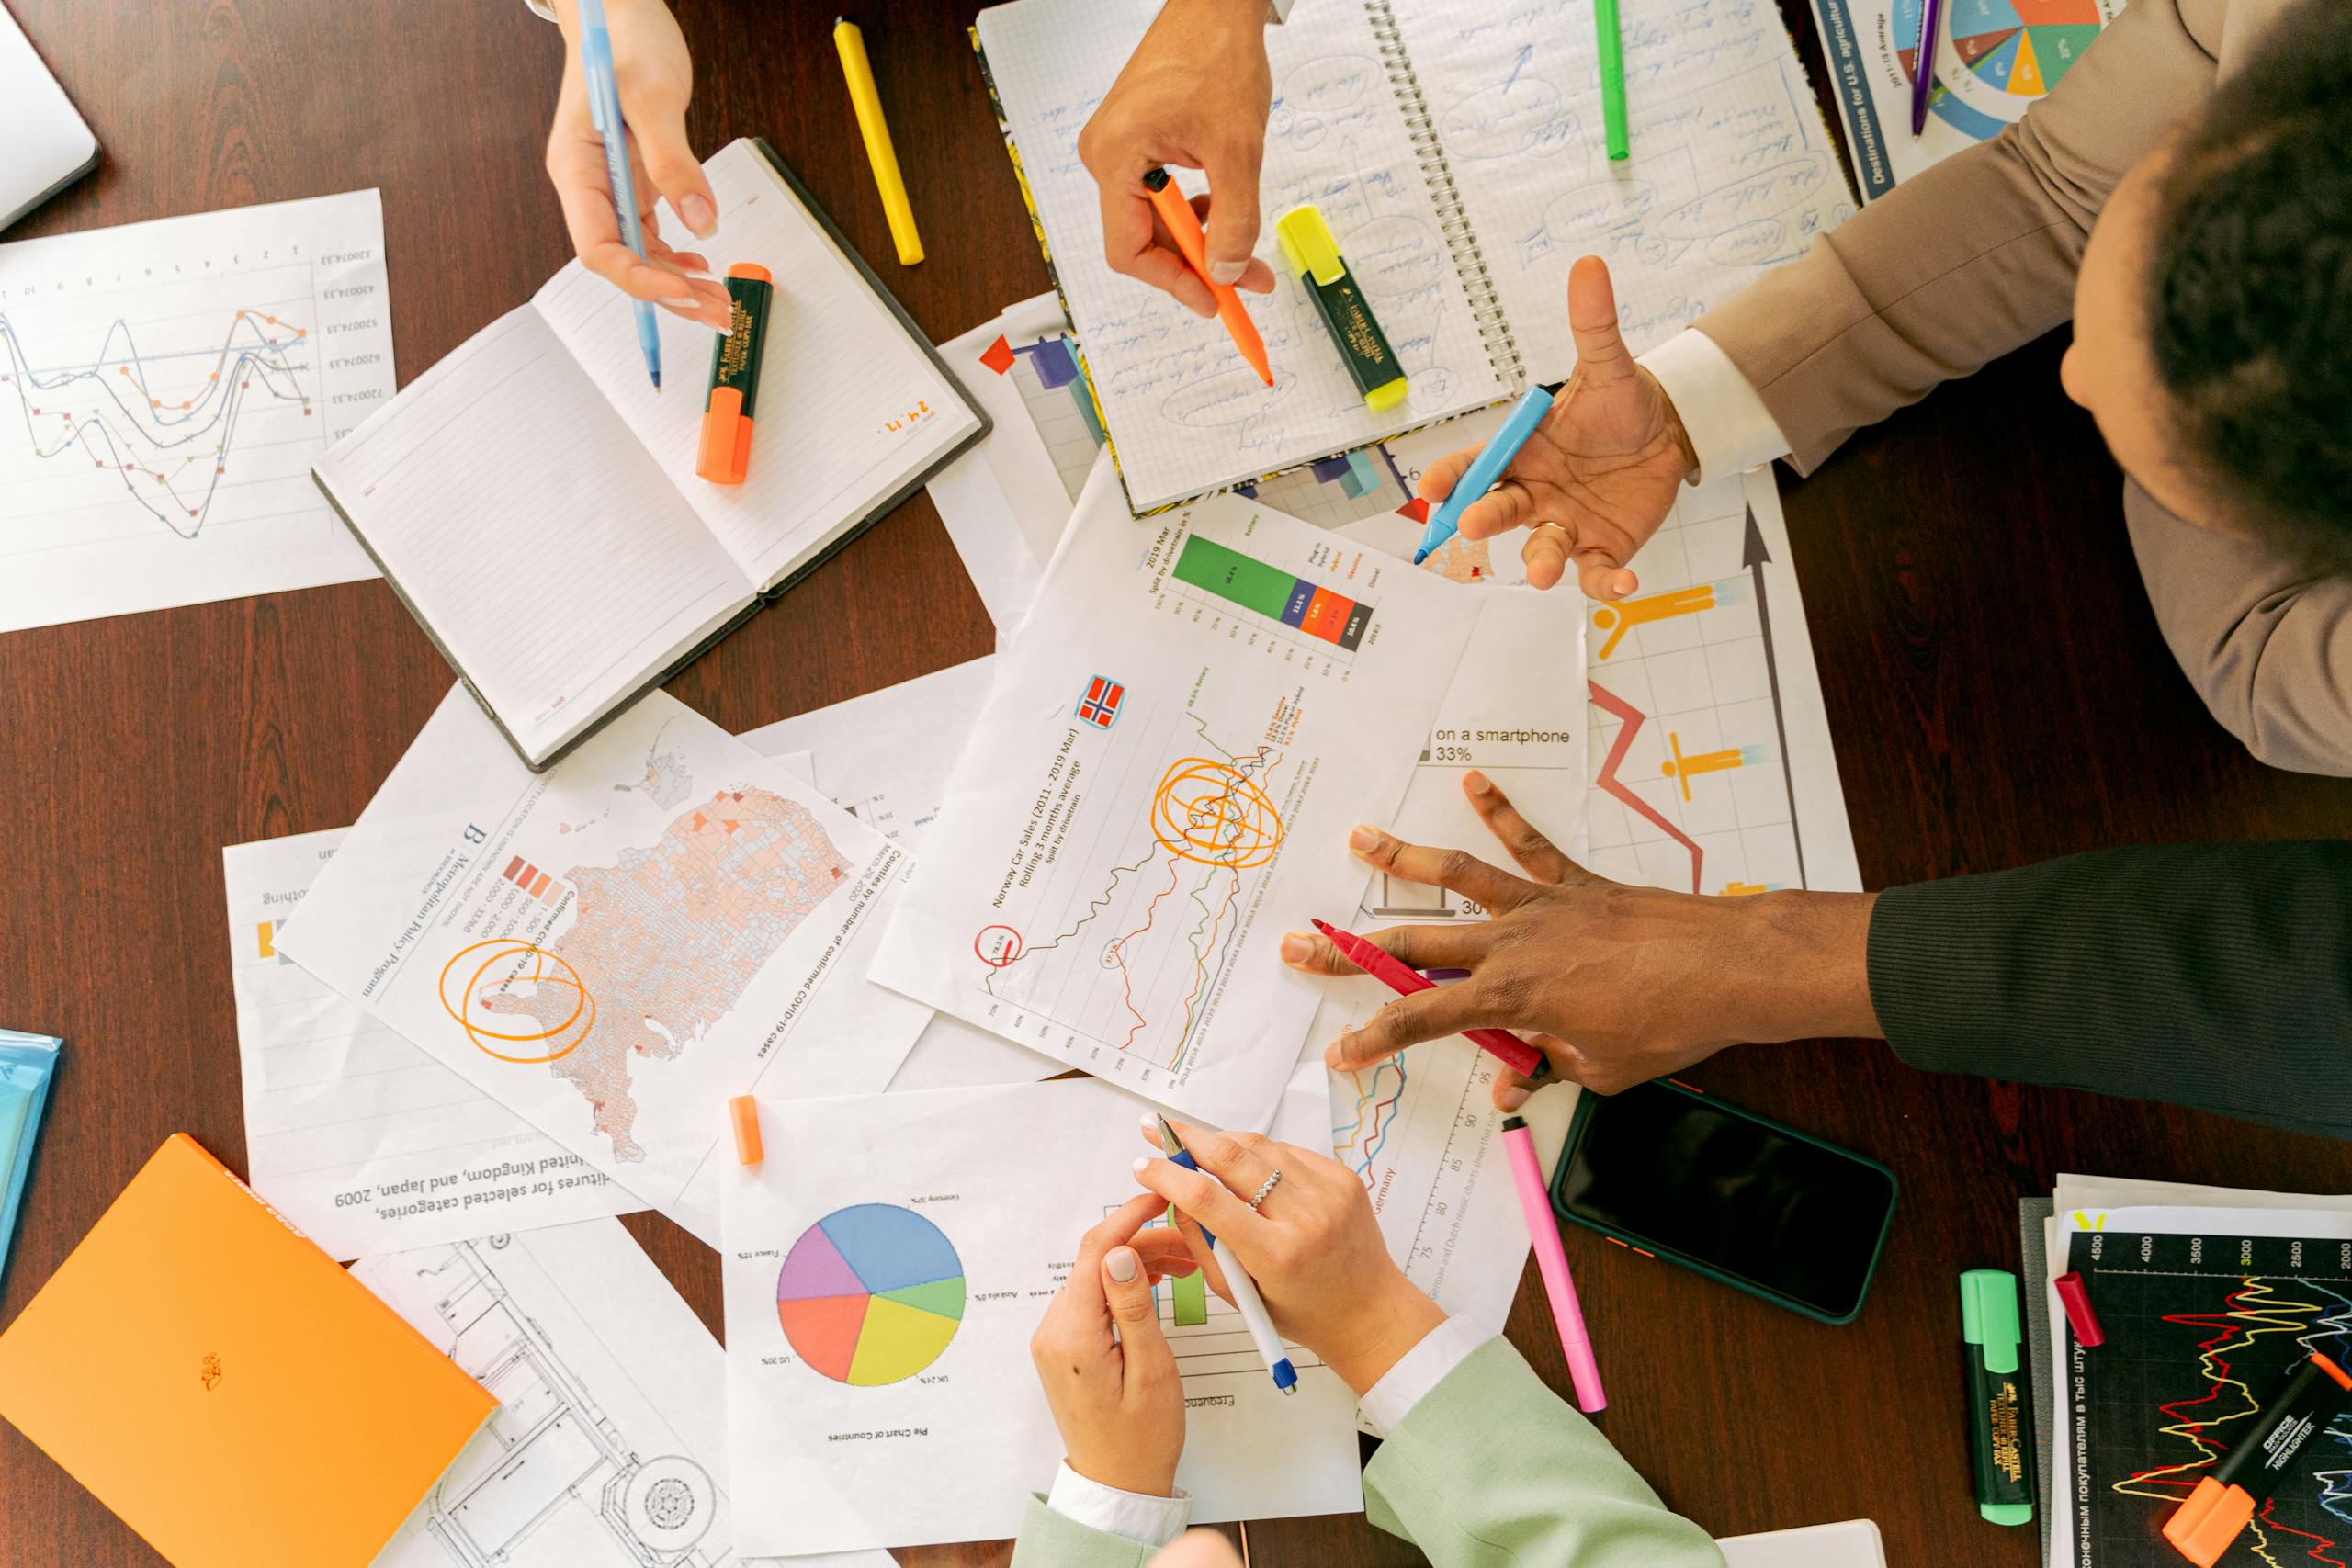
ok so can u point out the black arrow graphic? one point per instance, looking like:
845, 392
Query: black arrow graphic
1753, 555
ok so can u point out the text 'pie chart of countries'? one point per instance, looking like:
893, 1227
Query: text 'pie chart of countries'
1996, 57
870, 1295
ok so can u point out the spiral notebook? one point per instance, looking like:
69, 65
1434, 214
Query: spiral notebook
1456, 150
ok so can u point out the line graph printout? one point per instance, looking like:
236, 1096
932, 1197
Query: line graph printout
613, 947
1173, 750
163, 388
881, 1285
608, 1448
2201, 1327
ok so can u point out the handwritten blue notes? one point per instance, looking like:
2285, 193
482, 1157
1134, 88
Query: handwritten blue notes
1732, 172
1183, 413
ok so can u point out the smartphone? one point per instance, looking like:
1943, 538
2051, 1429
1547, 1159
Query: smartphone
1740, 1198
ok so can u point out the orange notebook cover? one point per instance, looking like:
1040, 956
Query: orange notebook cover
223, 1385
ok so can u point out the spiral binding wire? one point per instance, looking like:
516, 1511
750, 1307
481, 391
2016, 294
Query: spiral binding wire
1453, 224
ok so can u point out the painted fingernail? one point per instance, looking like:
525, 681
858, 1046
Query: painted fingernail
1121, 1262
1296, 948
699, 216
1228, 271
1479, 783
1513, 1099
1142, 1165
1149, 1123
1364, 838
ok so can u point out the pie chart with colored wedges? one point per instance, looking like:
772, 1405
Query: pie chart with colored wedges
870, 1295
1996, 57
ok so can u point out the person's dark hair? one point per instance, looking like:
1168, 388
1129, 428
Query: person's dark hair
2251, 287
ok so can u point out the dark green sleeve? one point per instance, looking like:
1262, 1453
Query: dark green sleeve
2213, 976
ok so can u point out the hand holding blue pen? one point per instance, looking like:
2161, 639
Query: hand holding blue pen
605, 109
1244, 1289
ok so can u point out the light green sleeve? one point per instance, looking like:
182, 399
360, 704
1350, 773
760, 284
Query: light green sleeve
1493, 1470
1049, 1540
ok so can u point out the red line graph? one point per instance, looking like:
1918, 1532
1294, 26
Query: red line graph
1633, 719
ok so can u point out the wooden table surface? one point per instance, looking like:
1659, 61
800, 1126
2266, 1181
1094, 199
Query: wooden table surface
1994, 681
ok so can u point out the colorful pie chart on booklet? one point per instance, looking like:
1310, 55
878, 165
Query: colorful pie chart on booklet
870, 1295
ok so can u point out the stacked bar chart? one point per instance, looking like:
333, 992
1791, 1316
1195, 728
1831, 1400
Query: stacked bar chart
1302, 606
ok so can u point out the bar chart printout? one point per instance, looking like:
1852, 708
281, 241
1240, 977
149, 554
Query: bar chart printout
164, 388
1301, 605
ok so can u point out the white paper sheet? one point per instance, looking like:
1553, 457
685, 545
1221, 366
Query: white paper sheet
1185, 411
163, 388
1122, 859
887, 757
856, 1396
1732, 169
615, 947
608, 1448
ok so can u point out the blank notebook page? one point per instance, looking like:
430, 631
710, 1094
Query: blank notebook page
1732, 171
551, 555
1186, 413
849, 409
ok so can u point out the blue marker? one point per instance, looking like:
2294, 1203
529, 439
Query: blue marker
1486, 468
605, 113
1246, 1300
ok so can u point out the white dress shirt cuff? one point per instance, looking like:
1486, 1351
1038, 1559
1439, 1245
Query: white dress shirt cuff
1730, 428
1130, 1516
1388, 1403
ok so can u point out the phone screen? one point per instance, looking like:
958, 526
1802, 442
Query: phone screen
1675, 1171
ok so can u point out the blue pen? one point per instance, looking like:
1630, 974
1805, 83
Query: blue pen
1486, 468
605, 113
1246, 1300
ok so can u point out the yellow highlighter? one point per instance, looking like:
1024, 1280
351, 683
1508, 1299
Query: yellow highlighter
1314, 254
879, 151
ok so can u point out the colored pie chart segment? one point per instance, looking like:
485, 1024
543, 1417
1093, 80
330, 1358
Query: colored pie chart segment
870, 1295
1998, 56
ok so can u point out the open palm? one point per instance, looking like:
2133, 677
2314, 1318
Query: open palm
1601, 472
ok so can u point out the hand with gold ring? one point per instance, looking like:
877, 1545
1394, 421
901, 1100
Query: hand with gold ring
1302, 1225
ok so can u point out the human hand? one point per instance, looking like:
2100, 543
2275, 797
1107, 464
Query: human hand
1194, 93
1116, 1395
1601, 472
1312, 1247
1644, 982
656, 78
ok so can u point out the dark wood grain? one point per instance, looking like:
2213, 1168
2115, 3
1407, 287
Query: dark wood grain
1994, 681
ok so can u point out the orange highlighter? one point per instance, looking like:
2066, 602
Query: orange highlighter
725, 454
1184, 226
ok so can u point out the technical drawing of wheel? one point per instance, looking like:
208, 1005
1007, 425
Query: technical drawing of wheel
670, 1502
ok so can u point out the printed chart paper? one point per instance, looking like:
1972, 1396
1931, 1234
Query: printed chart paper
885, 1268
1162, 783
615, 947
163, 388
361, 1139
608, 1448
887, 755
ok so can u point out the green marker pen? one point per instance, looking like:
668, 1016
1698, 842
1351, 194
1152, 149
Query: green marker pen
1314, 254
1997, 1396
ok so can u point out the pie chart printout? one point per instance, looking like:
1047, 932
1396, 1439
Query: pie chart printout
870, 1295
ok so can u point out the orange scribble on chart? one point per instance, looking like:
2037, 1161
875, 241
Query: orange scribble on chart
1207, 811
489, 968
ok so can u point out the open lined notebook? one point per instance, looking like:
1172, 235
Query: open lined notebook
533, 501
1455, 147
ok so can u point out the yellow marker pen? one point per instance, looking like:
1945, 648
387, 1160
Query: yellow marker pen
867, 102
1314, 254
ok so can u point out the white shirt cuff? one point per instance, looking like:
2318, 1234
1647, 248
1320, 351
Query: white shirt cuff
1730, 428
544, 7
1388, 1403
1130, 1516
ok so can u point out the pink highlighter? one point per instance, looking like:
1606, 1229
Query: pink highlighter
1552, 1262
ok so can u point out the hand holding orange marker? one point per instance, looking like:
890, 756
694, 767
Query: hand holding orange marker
1185, 227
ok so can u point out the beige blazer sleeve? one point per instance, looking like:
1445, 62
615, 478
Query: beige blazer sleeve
1972, 258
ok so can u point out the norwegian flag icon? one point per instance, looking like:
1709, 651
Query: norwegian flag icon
1100, 705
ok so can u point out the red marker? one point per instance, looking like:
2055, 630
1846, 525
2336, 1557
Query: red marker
1501, 1043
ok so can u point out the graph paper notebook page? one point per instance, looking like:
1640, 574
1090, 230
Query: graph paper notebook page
163, 388
1174, 748
615, 947
885, 1267
1457, 151
609, 1446
532, 492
